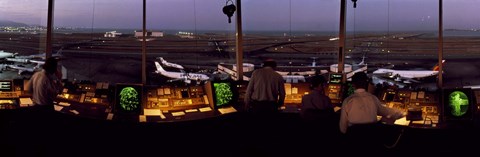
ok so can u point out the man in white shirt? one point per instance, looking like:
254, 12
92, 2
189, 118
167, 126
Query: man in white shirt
45, 85
358, 118
363, 107
266, 90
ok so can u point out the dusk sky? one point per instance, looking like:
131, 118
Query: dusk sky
310, 15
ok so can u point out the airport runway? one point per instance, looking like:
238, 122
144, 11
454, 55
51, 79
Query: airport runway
118, 60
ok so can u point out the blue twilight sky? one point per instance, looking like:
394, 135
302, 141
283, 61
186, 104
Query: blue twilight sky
275, 15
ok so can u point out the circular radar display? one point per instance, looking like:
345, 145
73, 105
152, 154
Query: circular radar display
223, 93
129, 100
458, 103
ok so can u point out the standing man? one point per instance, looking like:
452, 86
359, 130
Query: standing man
266, 90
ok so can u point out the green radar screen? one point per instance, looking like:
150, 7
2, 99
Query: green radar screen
223, 93
129, 99
458, 103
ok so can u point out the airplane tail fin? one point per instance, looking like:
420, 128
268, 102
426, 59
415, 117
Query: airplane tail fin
363, 60
159, 67
59, 52
436, 67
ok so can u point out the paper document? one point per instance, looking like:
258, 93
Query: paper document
336, 108
402, 121
66, 104
58, 108
191, 110
227, 110
142, 118
205, 109
152, 112
75, 112
25, 102
110, 116
181, 113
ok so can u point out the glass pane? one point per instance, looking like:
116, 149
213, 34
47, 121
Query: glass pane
301, 35
191, 43
461, 43
98, 41
398, 39
22, 33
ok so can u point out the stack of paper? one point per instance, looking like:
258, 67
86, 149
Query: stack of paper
205, 109
227, 110
25, 102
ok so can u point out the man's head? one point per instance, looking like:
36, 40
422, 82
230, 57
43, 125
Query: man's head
270, 63
50, 65
318, 82
360, 80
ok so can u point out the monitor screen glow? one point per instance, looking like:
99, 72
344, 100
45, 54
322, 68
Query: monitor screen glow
458, 104
6, 85
224, 93
128, 98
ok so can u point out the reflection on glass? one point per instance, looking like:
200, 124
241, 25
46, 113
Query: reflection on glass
22, 34
398, 40
461, 36
301, 35
99, 39
195, 38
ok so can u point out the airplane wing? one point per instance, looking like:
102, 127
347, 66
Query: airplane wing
21, 69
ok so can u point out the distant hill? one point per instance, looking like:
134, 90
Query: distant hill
4, 23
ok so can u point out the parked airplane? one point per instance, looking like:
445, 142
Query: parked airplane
4, 54
41, 55
407, 75
22, 69
164, 62
186, 77
289, 77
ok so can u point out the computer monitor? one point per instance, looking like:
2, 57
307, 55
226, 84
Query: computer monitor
458, 104
224, 93
389, 96
128, 99
335, 78
6, 85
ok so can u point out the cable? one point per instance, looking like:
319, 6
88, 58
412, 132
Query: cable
93, 22
195, 28
396, 141
388, 30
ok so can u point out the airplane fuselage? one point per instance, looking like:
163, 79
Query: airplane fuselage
181, 75
407, 73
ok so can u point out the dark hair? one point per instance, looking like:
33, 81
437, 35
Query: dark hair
270, 63
318, 80
360, 80
50, 65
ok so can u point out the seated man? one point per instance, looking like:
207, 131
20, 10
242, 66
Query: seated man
316, 106
363, 107
358, 119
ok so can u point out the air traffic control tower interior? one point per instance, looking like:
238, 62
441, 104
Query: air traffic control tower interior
170, 77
